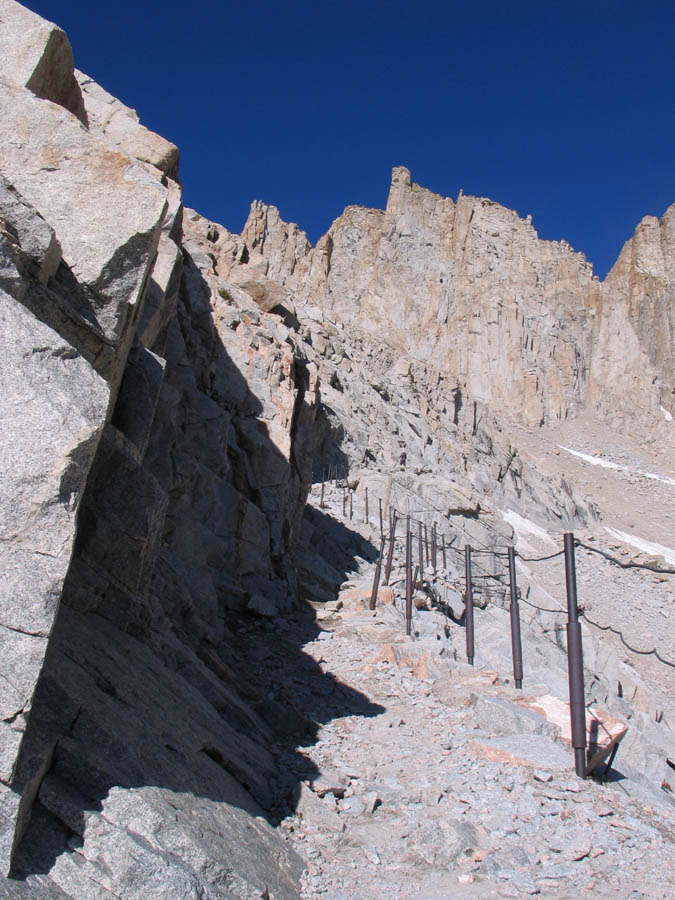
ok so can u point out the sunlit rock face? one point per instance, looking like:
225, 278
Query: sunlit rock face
468, 287
633, 371
465, 286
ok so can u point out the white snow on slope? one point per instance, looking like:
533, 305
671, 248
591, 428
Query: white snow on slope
593, 460
650, 547
524, 527
662, 478
607, 464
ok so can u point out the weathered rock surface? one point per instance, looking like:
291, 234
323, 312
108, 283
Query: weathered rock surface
37, 55
121, 127
634, 362
467, 287
156, 457
168, 392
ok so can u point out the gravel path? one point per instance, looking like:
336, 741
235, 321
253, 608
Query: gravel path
425, 780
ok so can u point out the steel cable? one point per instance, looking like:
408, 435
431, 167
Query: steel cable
652, 652
623, 565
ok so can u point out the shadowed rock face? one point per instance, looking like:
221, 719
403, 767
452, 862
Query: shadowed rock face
155, 461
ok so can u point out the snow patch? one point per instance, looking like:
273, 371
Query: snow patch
639, 543
607, 464
662, 478
593, 460
523, 527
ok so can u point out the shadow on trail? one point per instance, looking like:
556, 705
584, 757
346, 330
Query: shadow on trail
329, 553
166, 706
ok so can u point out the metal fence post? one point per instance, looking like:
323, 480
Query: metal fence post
344, 502
390, 554
376, 577
468, 607
408, 578
445, 559
516, 646
351, 505
367, 516
381, 522
421, 553
433, 547
575, 661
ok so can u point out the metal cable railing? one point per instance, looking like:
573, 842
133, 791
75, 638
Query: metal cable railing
432, 544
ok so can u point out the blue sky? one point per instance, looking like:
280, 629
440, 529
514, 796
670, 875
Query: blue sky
559, 109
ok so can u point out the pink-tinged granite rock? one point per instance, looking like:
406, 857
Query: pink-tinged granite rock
604, 731
533, 751
465, 285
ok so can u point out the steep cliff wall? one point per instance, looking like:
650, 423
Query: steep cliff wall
465, 286
519, 323
155, 460
633, 371
160, 411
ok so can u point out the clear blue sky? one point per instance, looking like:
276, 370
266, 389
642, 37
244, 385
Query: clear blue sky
559, 109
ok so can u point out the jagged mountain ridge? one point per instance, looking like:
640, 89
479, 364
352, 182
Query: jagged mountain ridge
469, 288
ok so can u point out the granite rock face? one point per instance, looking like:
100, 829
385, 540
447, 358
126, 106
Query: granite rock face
156, 457
467, 287
37, 55
634, 360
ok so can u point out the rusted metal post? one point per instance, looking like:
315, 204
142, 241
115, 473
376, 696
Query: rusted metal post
426, 545
390, 554
381, 520
575, 661
516, 646
367, 516
445, 559
344, 502
468, 606
376, 577
351, 505
421, 552
408, 578
433, 547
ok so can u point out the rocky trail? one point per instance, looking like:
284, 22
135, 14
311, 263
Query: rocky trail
417, 800
425, 777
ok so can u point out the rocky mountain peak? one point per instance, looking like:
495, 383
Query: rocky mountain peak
37, 55
280, 243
